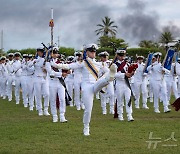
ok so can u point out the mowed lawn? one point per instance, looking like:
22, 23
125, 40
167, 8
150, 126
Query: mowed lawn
22, 131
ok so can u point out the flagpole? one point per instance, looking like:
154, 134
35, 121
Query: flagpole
52, 28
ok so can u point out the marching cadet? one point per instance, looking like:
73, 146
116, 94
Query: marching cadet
41, 85
171, 83
10, 78
90, 82
30, 83
17, 72
140, 84
70, 80
121, 86
109, 90
177, 69
78, 81
24, 79
157, 82
150, 79
4, 75
56, 89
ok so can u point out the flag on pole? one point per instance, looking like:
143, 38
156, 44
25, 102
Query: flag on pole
148, 62
51, 23
169, 58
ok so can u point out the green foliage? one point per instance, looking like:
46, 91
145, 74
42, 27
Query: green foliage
166, 37
12, 51
111, 43
148, 44
67, 51
23, 51
144, 51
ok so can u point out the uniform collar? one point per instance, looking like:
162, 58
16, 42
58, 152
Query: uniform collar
120, 61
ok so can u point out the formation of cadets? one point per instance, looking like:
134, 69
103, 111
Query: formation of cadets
48, 86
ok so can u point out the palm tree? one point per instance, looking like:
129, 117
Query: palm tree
146, 44
166, 37
106, 27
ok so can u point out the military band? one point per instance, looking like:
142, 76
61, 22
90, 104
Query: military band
49, 84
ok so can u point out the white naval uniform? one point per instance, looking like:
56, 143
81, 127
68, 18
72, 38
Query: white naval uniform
10, 79
149, 80
140, 86
178, 74
41, 86
171, 84
24, 83
109, 91
122, 91
3, 82
55, 87
17, 72
158, 84
70, 86
77, 87
30, 84
89, 87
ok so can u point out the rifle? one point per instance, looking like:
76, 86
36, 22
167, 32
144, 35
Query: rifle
46, 50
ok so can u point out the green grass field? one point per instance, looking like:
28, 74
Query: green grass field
22, 131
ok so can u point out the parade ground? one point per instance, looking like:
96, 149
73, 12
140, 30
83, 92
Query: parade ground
22, 131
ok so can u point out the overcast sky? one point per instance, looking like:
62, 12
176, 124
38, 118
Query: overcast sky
25, 23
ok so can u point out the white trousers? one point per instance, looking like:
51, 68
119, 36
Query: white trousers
159, 89
3, 84
123, 91
108, 95
77, 94
10, 80
55, 87
171, 86
41, 88
30, 90
150, 89
138, 88
88, 91
24, 87
69, 85
17, 88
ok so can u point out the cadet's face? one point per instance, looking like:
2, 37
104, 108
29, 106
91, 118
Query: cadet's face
17, 58
91, 54
3, 61
11, 58
27, 59
40, 54
79, 57
140, 61
54, 55
103, 59
120, 57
